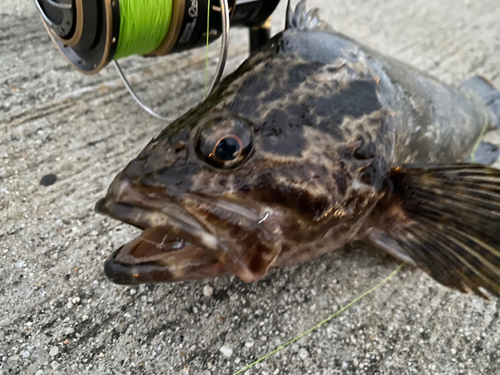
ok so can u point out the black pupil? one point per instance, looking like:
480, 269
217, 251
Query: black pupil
227, 149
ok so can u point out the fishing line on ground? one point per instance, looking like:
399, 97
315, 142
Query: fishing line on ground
479, 140
323, 322
144, 24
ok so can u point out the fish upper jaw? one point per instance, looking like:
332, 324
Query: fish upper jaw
151, 210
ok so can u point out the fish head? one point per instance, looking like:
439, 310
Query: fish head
185, 190
243, 181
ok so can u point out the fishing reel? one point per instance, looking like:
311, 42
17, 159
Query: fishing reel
93, 33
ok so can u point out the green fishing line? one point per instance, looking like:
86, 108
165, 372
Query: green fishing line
479, 140
207, 49
144, 24
323, 322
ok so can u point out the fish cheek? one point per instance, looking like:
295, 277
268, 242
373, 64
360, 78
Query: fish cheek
247, 249
298, 200
300, 72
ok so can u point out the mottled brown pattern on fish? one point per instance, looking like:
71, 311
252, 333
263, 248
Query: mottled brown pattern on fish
302, 138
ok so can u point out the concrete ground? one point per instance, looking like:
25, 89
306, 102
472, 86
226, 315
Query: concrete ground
59, 314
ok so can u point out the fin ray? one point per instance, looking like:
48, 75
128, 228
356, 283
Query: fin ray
467, 259
445, 218
442, 262
439, 260
459, 249
300, 19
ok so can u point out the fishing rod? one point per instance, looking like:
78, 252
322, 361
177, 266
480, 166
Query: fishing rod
94, 33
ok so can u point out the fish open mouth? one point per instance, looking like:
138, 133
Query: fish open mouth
197, 239
172, 247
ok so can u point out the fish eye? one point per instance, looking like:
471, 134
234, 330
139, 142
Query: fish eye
227, 149
224, 142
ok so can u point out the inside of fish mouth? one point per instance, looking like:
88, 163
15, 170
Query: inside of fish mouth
153, 244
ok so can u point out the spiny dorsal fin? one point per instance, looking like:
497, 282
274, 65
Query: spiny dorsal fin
446, 220
300, 19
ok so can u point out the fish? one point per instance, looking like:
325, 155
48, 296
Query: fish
313, 142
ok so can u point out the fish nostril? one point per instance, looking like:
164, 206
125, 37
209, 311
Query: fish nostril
175, 152
179, 146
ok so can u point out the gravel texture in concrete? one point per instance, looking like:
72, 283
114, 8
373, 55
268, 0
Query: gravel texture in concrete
64, 136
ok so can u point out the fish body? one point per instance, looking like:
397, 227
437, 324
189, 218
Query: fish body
305, 148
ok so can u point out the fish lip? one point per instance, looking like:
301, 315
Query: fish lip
123, 202
157, 271
114, 270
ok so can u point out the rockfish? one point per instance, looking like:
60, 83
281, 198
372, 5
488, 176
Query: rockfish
316, 141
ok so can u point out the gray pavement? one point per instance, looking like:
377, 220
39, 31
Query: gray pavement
59, 314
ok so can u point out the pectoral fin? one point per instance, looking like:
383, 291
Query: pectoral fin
445, 220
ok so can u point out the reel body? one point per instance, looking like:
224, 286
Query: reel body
87, 32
